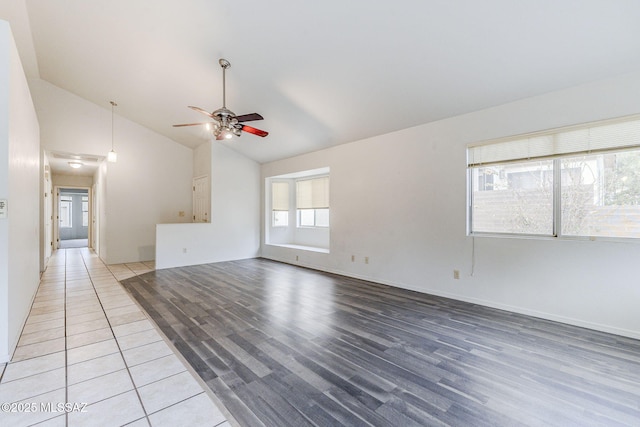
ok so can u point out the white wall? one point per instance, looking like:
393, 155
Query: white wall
150, 183
234, 230
72, 181
20, 186
202, 160
400, 200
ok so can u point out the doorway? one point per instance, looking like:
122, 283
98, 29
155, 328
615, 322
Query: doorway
73, 217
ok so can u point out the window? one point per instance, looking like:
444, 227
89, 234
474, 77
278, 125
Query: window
66, 214
603, 197
85, 211
312, 202
313, 217
297, 210
520, 199
579, 181
280, 204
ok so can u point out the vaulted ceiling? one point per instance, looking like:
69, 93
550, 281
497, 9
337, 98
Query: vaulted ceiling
321, 73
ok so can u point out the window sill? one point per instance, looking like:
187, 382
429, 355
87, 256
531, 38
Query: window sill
557, 238
302, 248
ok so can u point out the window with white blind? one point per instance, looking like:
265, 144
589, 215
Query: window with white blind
579, 181
66, 211
85, 211
312, 202
280, 204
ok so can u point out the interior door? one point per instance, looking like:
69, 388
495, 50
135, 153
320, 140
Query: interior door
201, 199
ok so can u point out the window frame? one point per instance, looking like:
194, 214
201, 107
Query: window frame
273, 219
85, 213
273, 210
315, 216
315, 219
470, 232
557, 187
68, 204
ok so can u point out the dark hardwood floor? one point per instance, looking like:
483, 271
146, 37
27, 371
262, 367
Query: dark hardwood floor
287, 346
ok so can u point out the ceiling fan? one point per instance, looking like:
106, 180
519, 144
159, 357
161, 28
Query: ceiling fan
226, 122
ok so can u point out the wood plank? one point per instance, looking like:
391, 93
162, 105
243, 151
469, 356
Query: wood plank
282, 345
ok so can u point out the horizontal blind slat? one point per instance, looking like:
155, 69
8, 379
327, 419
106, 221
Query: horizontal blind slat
280, 196
598, 137
313, 193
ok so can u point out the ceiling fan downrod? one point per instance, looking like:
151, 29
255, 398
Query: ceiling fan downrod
224, 64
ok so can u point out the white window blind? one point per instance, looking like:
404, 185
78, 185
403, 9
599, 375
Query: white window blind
280, 196
585, 139
313, 193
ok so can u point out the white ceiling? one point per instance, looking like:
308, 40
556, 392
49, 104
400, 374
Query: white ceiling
321, 73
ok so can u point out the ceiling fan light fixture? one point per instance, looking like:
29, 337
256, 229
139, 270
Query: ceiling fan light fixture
224, 132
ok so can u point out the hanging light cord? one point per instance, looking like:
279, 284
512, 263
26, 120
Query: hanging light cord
113, 104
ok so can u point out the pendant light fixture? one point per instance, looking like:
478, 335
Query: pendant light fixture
112, 156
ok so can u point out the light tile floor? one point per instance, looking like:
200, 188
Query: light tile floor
88, 345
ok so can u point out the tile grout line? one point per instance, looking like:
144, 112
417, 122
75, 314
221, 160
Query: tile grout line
24, 326
76, 267
66, 350
135, 388
205, 387
181, 401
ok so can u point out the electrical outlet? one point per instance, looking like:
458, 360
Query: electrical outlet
456, 274
353, 258
366, 260
181, 213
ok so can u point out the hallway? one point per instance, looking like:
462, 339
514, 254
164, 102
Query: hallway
88, 344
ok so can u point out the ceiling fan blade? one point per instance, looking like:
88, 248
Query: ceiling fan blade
200, 110
254, 131
249, 117
190, 124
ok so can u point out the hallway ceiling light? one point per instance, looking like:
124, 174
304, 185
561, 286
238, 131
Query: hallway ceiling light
112, 157
75, 165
